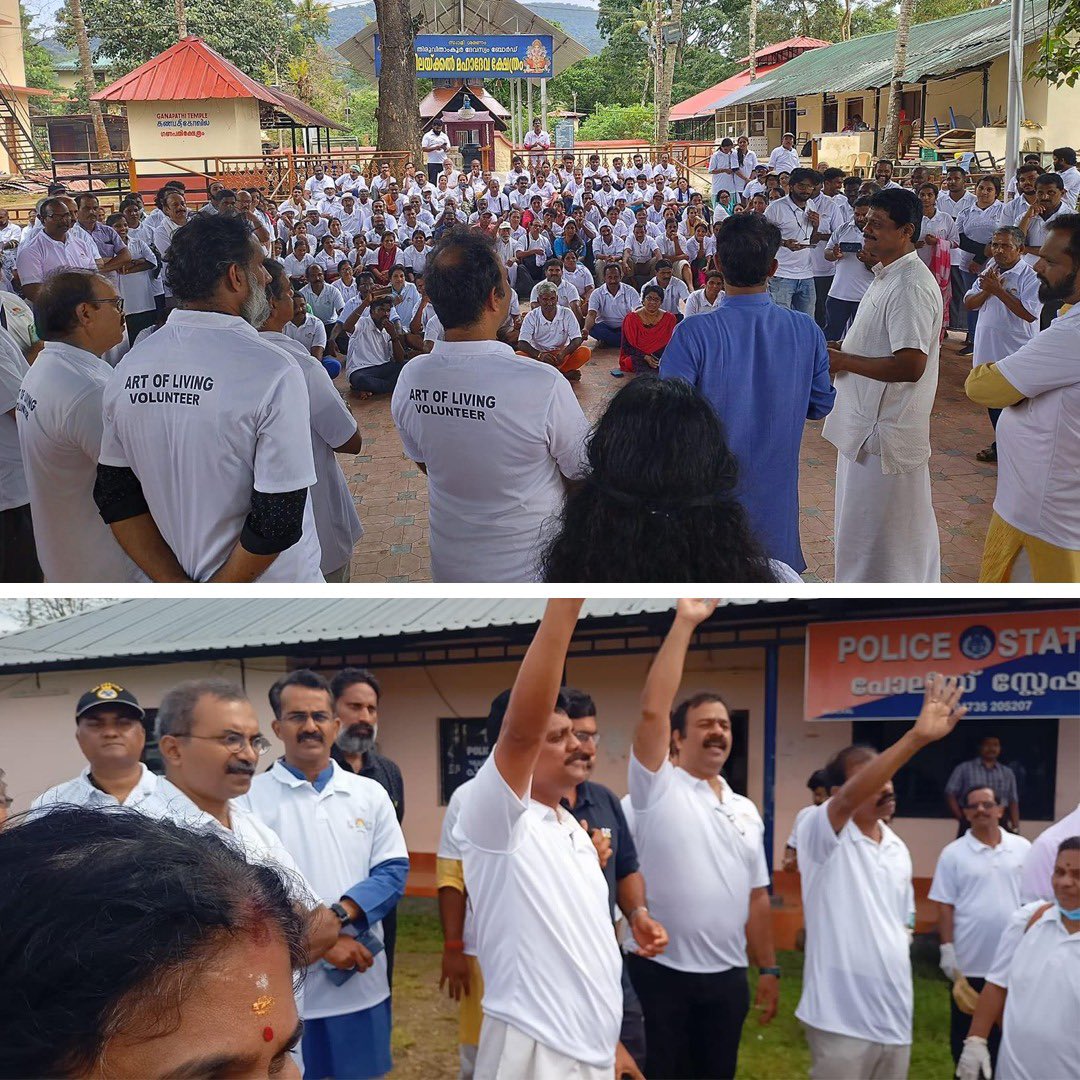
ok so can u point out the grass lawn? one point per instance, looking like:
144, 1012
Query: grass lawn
425, 1024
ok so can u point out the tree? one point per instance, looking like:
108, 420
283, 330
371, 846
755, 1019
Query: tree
35, 612
896, 87
86, 77
399, 104
618, 122
36, 59
1059, 59
669, 39
181, 20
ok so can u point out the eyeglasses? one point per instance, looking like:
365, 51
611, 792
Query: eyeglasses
588, 736
116, 301
302, 717
234, 742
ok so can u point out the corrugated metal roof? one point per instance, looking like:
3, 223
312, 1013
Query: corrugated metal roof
937, 48
486, 17
191, 71
141, 629
791, 43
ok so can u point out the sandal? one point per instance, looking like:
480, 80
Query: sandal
989, 454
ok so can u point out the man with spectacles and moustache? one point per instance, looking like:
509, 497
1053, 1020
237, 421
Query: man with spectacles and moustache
341, 830
977, 888
110, 734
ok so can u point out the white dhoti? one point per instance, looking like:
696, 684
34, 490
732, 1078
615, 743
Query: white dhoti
885, 525
507, 1053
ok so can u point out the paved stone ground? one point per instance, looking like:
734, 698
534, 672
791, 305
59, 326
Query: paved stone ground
391, 492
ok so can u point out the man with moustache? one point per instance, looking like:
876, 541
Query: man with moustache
859, 905
702, 852
1036, 517
356, 694
599, 811
341, 830
110, 733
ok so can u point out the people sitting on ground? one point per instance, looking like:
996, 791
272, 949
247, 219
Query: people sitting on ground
376, 350
609, 305
646, 332
551, 333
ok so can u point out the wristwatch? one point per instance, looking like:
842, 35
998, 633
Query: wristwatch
769, 971
341, 913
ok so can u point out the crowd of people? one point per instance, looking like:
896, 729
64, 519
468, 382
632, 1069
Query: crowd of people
230, 921
165, 409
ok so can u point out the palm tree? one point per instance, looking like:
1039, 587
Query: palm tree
896, 87
312, 18
668, 42
86, 77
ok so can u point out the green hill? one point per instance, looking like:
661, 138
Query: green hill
577, 21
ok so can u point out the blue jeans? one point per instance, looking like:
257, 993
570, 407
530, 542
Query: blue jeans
841, 313
797, 294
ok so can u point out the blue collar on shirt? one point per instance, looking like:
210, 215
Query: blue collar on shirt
319, 782
749, 298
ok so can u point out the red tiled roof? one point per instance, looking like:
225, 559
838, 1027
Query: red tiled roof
703, 103
441, 96
804, 43
191, 71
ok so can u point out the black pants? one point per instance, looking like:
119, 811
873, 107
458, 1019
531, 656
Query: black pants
378, 379
632, 1033
433, 171
840, 315
822, 285
389, 935
18, 551
692, 1022
138, 322
960, 1023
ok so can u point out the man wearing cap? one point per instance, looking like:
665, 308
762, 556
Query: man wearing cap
784, 158
110, 734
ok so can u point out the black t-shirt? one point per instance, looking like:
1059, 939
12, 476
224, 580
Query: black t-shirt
382, 769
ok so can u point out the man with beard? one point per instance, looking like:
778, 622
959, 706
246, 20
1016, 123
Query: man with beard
110, 734
702, 852
792, 286
341, 830
1036, 515
206, 455
356, 694
599, 811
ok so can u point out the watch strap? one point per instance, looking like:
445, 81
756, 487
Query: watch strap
769, 971
343, 916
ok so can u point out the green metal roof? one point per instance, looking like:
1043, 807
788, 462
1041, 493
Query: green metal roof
935, 49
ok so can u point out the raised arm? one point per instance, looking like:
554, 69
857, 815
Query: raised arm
652, 739
941, 712
533, 696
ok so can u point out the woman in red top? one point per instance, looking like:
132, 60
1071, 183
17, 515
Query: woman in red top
646, 332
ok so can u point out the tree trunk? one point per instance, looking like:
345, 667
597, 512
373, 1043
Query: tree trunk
181, 20
753, 39
398, 113
896, 87
845, 24
86, 77
666, 68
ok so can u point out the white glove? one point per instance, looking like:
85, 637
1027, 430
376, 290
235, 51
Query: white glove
947, 963
975, 1060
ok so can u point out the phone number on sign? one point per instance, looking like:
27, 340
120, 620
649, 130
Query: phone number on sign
998, 706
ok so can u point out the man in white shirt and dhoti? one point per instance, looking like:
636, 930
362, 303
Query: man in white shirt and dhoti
886, 372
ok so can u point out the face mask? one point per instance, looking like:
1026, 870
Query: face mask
1074, 914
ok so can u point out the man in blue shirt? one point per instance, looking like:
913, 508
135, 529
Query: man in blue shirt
765, 369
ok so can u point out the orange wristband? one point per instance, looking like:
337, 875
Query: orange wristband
454, 946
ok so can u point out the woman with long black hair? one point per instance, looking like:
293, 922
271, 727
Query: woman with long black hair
658, 499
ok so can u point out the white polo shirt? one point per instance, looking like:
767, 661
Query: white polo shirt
556, 334
435, 145
138, 289
1039, 454
414, 260
498, 433
335, 836
580, 278
983, 885
675, 295
1038, 229
901, 309
369, 346
59, 421
1040, 968
229, 414
41, 255
793, 840
332, 424
311, 333
612, 309
701, 856
450, 848
551, 965
568, 293
792, 222
697, 303
641, 251
859, 904
1000, 333
1039, 864
781, 159
13, 369
81, 791
326, 307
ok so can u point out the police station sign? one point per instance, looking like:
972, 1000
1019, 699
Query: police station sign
1012, 666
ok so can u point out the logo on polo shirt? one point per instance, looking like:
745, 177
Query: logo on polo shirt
358, 823
977, 642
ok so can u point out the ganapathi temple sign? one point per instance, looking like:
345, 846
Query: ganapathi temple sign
522, 56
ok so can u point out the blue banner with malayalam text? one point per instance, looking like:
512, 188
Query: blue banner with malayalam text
510, 56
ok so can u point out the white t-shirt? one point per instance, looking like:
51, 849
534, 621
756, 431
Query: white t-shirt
1042, 976
701, 857
81, 791
697, 303
138, 289
782, 159
568, 294
983, 885
449, 848
204, 412
13, 369
976, 224
59, 418
332, 424
311, 333
41, 255
1038, 451
542, 335
641, 251
498, 432
793, 224
369, 346
336, 836
675, 295
901, 309
859, 904
435, 146
541, 907
1000, 333
414, 260
326, 307
580, 278
793, 840
296, 266
853, 277
1039, 865
612, 309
